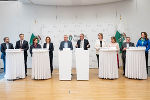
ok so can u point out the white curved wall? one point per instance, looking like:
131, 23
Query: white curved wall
55, 21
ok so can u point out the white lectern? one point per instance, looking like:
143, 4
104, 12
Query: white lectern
65, 64
136, 63
108, 68
82, 64
15, 67
40, 64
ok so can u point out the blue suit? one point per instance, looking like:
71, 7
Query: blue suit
62, 45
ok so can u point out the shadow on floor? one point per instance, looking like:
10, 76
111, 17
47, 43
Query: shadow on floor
1, 74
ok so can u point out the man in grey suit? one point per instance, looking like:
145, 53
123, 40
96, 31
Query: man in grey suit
125, 46
66, 43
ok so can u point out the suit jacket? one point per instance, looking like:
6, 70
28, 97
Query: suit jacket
124, 45
4, 47
62, 45
25, 46
51, 48
32, 47
86, 42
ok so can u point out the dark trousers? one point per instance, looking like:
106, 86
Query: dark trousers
97, 59
4, 61
51, 62
124, 63
25, 62
146, 56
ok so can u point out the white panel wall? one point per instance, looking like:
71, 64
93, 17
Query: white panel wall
53, 21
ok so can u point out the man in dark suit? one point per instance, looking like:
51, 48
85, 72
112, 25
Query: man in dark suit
125, 45
23, 44
4, 46
66, 43
50, 47
83, 43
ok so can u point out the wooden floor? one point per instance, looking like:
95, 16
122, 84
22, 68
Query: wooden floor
94, 89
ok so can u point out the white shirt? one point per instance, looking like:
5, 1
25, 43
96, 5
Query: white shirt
7, 45
82, 44
66, 45
47, 45
127, 45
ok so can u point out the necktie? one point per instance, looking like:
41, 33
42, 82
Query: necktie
21, 44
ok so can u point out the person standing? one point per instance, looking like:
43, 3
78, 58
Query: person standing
4, 46
115, 44
50, 47
125, 46
34, 45
82, 43
66, 43
23, 45
99, 44
144, 42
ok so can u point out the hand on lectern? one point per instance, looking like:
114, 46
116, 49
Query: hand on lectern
76, 46
88, 46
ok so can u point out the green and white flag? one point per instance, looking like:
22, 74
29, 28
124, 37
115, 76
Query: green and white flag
120, 34
120, 38
31, 38
34, 36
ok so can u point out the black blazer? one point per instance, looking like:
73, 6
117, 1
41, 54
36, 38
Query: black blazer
86, 42
25, 46
32, 47
124, 45
51, 48
3, 48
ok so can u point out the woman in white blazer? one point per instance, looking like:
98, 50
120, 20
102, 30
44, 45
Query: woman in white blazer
99, 44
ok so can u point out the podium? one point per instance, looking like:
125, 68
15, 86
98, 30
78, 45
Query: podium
136, 63
108, 68
40, 64
82, 64
65, 64
15, 67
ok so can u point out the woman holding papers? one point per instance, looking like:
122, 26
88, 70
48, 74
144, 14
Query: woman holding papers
99, 44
